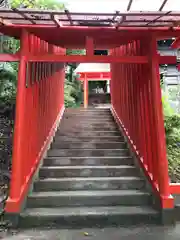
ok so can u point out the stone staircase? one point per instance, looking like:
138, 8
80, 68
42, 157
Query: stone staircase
88, 177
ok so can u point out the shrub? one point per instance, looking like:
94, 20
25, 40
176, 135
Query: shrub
72, 93
172, 129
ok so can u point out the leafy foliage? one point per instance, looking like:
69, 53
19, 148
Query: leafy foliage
39, 4
8, 73
172, 129
9, 45
76, 52
8, 79
171, 123
72, 91
72, 87
168, 111
174, 168
174, 92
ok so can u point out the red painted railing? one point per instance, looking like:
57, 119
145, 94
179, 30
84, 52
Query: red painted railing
137, 107
39, 105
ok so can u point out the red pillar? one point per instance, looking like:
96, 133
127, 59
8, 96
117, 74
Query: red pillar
89, 46
85, 91
17, 171
158, 126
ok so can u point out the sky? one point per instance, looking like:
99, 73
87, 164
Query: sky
119, 5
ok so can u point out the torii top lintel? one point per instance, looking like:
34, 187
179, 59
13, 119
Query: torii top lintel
69, 29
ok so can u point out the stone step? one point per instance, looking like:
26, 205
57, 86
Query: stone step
86, 122
87, 152
86, 145
88, 216
91, 134
90, 161
90, 108
89, 177
88, 138
88, 198
88, 118
87, 128
82, 123
90, 183
89, 111
87, 171
91, 115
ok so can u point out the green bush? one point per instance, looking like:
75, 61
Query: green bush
173, 153
8, 80
168, 111
72, 93
172, 129
171, 124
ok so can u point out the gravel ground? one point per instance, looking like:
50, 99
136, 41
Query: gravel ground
131, 233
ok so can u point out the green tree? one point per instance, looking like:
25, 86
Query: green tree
7, 84
8, 71
72, 89
39, 4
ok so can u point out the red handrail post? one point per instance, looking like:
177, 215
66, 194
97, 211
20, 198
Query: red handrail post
85, 91
17, 166
158, 127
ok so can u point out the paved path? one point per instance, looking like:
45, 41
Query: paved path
132, 233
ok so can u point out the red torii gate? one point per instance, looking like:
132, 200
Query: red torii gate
135, 84
92, 72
